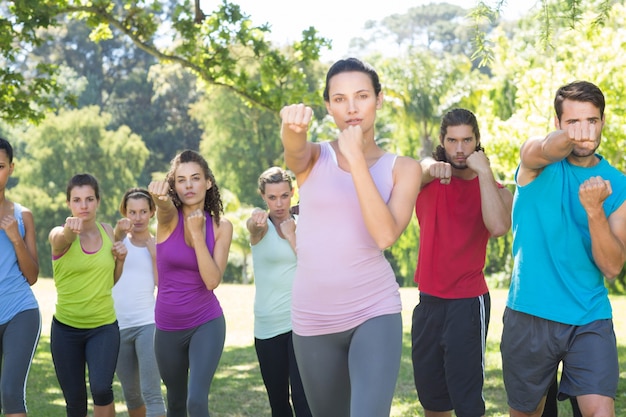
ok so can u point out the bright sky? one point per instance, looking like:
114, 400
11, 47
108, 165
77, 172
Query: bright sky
338, 20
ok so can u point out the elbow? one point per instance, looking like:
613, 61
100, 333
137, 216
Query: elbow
499, 232
611, 273
500, 229
385, 242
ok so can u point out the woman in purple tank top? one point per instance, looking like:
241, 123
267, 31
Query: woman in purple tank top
193, 241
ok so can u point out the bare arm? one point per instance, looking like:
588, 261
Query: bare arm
608, 236
288, 229
122, 228
257, 225
166, 213
61, 237
119, 252
537, 153
496, 203
384, 221
211, 268
300, 154
151, 246
25, 248
432, 169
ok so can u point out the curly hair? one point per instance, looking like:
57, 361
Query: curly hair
212, 200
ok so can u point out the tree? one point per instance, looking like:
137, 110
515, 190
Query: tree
537, 71
219, 50
75, 141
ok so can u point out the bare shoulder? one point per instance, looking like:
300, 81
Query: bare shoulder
109, 230
407, 166
224, 226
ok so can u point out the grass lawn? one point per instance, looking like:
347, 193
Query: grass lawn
238, 390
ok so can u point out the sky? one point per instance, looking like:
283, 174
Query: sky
338, 20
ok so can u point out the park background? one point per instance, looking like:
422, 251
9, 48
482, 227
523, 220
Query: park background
118, 87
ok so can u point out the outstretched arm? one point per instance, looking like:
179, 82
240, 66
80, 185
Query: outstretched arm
257, 225
432, 169
537, 153
166, 211
300, 154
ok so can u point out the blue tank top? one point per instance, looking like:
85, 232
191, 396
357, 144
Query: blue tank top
15, 292
274, 270
554, 274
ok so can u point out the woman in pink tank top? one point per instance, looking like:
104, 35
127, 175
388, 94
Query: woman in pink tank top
355, 201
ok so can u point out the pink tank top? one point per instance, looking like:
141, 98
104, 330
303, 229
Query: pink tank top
342, 278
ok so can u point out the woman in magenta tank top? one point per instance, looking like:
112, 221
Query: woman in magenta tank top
355, 201
193, 241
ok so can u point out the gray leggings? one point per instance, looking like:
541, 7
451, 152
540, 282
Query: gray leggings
187, 361
352, 373
137, 370
18, 341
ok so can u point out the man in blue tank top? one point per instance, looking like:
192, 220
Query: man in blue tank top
569, 230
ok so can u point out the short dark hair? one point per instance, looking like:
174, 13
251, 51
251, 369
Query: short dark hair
80, 180
6, 146
582, 91
351, 65
456, 117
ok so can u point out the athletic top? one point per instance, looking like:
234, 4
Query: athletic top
554, 274
342, 277
83, 282
15, 292
274, 270
453, 239
183, 301
133, 294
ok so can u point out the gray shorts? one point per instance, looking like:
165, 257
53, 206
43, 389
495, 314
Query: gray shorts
532, 348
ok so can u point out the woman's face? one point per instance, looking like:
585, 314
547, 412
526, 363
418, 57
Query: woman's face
190, 183
83, 202
6, 169
139, 213
277, 196
352, 100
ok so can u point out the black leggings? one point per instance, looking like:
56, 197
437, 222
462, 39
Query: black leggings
280, 371
72, 348
552, 408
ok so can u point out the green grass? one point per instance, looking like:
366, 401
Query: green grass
238, 390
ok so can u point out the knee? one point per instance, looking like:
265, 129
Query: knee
197, 406
102, 396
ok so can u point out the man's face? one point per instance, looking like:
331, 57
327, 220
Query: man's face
459, 143
582, 112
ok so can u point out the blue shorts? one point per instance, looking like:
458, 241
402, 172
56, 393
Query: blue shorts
532, 349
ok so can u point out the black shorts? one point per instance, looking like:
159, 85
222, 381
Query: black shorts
532, 348
448, 337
